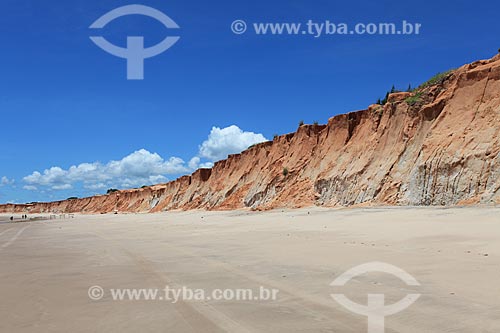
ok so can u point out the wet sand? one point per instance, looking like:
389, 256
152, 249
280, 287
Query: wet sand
48, 267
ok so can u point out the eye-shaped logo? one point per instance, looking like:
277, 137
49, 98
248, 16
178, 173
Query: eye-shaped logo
135, 53
376, 310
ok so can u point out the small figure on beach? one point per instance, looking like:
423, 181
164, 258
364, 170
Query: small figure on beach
12, 218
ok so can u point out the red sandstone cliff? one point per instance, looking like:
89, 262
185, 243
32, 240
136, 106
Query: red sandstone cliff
441, 148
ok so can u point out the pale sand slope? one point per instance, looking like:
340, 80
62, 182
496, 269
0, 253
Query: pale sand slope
47, 268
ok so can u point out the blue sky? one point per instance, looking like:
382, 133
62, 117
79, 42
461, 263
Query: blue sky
65, 102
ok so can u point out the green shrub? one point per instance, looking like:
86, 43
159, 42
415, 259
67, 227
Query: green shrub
436, 79
111, 190
412, 100
285, 171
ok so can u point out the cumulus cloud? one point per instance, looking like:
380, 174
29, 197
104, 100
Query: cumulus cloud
142, 167
139, 168
229, 140
4, 181
195, 163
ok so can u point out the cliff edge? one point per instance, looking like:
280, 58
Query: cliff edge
438, 145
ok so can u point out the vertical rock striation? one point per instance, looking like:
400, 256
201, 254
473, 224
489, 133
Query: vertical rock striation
437, 146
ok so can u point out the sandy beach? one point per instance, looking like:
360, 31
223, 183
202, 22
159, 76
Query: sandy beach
49, 266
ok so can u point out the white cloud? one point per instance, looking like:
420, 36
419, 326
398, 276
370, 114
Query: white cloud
195, 163
138, 168
143, 167
229, 140
206, 165
62, 187
4, 181
95, 187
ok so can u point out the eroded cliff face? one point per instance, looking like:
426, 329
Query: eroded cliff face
442, 147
